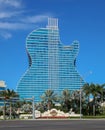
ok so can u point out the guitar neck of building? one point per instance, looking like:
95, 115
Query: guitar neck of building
52, 23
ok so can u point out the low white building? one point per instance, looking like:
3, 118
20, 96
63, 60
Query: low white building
2, 85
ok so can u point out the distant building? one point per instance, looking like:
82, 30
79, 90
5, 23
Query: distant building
2, 85
51, 64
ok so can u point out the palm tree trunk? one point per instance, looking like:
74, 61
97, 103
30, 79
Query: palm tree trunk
48, 105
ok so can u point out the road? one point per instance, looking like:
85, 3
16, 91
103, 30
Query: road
53, 125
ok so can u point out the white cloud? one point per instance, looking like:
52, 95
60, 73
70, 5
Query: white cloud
4, 14
24, 23
5, 35
13, 3
13, 26
13, 17
35, 19
9, 8
7, 14
29, 22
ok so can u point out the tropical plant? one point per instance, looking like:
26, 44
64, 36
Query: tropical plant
96, 91
76, 101
8, 96
26, 108
65, 100
49, 98
87, 90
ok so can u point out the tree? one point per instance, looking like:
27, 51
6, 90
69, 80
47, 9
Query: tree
86, 89
76, 100
65, 99
8, 96
96, 91
26, 108
49, 97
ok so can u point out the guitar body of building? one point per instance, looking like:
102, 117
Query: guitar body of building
52, 65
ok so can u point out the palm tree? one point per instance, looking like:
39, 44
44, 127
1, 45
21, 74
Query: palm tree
96, 91
101, 91
49, 97
66, 99
8, 96
76, 100
86, 90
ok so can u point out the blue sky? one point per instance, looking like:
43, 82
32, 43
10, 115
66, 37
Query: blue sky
82, 20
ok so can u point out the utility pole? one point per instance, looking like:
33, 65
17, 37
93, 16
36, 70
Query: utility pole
80, 104
33, 107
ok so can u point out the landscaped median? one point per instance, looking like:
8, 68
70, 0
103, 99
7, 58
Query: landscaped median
94, 117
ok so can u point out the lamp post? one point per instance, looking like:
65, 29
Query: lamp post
81, 79
33, 106
81, 99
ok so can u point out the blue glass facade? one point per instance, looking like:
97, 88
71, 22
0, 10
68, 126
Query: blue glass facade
51, 64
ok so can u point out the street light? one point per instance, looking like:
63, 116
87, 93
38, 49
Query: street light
33, 105
80, 98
